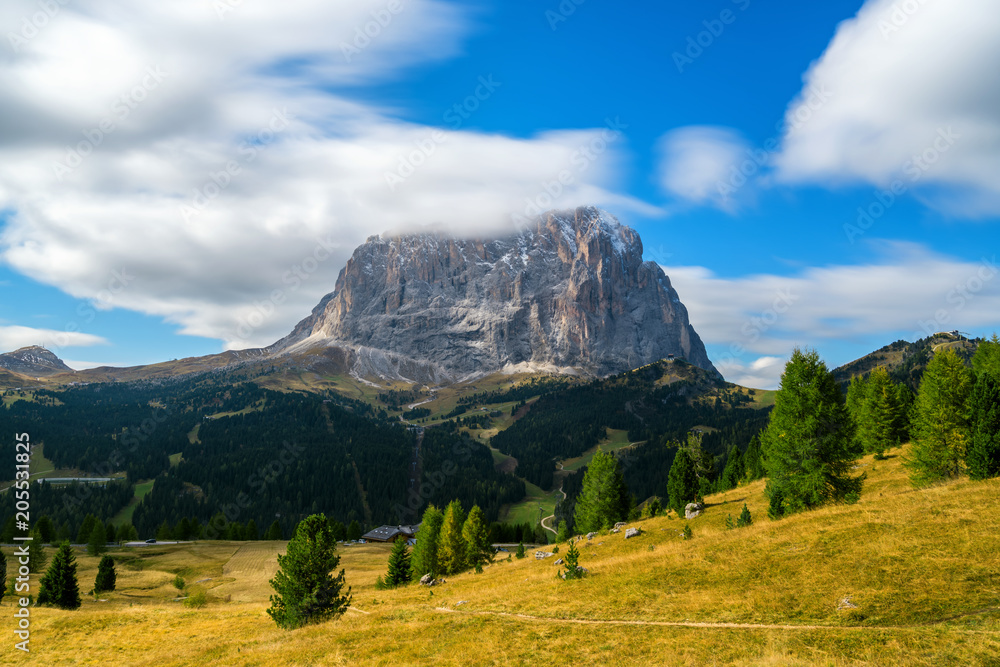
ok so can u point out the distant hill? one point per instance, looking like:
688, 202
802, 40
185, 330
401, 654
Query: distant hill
906, 361
33, 361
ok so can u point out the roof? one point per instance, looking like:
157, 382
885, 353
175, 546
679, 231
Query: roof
386, 533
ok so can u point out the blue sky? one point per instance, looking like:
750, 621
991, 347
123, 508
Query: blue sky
178, 180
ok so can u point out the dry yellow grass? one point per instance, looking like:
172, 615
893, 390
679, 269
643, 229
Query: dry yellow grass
922, 567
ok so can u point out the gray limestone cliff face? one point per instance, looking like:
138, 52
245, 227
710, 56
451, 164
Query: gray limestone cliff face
569, 292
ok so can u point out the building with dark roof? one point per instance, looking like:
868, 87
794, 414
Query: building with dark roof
391, 533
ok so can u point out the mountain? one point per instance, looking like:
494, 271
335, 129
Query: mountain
33, 361
566, 293
906, 361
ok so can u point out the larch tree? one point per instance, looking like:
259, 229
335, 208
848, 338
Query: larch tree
424, 559
982, 458
604, 498
476, 534
941, 420
807, 445
305, 589
452, 549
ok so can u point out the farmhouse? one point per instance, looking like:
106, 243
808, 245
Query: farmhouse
391, 533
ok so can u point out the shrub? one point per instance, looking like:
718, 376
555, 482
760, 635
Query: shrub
196, 600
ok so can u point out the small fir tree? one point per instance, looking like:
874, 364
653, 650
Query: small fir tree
476, 534
982, 457
571, 564
682, 482
745, 518
399, 572
604, 498
520, 550
425, 554
941, 420
306, 591
59, 586
106, 575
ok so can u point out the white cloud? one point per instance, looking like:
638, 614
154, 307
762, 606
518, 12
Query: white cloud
896, 79
14, 337
912, 291
697, 163
219, 173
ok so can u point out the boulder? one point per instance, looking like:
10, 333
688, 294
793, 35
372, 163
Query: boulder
559, 562
539, 555
620, 524
591, 536
427, 580
693, 510
616, 530
632, 532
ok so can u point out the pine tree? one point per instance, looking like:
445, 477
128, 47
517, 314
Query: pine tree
274, 532
520, 550
653, 508
807, 445
452, 550
745, 519
753, 460
987, 357
46, 529
39, 556
399, 571
163, 533
306, 591
59, 586
983, 455
425, 553
734, 471
252, 533
354, 531
857, 406
97, 542
106, 575
941, 420
571, 569
3, 575
475, 533
682, 482
604, 498
83, 535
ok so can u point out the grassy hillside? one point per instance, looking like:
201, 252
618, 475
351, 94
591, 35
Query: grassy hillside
921, 568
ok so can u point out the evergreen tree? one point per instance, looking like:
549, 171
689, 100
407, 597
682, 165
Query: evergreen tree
563, 533
983, 454
857, 406
941, 419
745, 519
354, 531
339, 530
571, 564
106, 575
520, 550
306, 591
38, 554
252, 533
274, 532
604, 498
807, 445
127, 532
399, 565
46, 529
164, 534
83, 535
476, 535
97, 542
7, 534
452, 549
753, 460
682, 482
734, 471
425, 553
59, 586
653, 508
3, 575
987, 357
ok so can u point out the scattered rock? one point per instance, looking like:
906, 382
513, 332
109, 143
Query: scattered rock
616, 530
203, 580
559, 562
693, 510
632, 532
846, 604
539, 555
591, 536
461, 602
427, 580
620, 524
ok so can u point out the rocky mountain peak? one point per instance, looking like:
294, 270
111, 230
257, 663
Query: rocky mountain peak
565, 292
34, 361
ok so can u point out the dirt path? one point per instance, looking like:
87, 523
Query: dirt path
724, 626
552, 516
